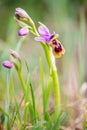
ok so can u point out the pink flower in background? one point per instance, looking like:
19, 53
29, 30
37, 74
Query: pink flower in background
7, 64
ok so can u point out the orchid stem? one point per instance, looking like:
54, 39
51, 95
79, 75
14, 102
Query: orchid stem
56, 92
51, 63
22, 81
54, 75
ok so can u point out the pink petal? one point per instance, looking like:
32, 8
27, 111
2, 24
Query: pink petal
23, 31
40, 38
43, 30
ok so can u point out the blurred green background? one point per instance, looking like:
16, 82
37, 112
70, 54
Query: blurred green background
68, 18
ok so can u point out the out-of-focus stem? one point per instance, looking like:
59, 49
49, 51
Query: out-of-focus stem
7, 98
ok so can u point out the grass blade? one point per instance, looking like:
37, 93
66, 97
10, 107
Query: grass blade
59, 121
47, 91
32, 106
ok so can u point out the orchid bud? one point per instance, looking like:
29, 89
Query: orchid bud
14, 54
8, 64
23, 31
21, 14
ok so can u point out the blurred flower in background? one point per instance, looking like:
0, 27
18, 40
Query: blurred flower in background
8, 64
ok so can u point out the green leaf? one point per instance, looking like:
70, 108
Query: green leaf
39, 125
59, 121
2, 111
16, 114
27, 96
47, 91
49, 122
27, 101
16, 110
85, 123
32, 104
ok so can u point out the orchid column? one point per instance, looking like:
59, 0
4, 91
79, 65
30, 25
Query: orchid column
52, 48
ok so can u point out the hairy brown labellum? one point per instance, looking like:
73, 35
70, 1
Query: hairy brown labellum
57, 48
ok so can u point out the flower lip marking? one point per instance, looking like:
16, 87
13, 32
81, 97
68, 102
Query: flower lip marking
57, 48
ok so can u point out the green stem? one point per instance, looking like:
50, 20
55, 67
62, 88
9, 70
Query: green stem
51, 62
43, 86
22, 80
7, 102
56, 92
54, 75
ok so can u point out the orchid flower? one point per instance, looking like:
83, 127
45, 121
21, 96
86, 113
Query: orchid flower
51, 39
52, 48
45, 35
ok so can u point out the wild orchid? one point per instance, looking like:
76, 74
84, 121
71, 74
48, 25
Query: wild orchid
52, 48
50, 39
